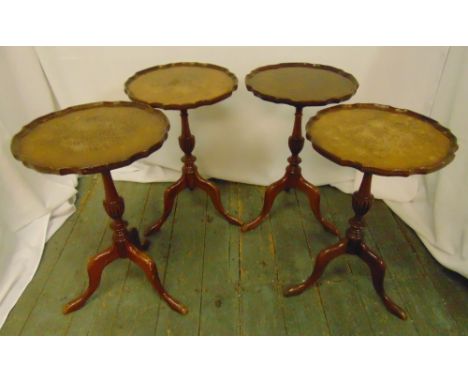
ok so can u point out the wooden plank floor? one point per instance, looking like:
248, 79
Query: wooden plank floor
232, 281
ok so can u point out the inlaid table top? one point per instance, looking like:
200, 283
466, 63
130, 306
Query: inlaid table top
90, 138
183, 85
301, 84
381, 139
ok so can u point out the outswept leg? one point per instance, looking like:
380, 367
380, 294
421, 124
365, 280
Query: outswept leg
126, 244
313, 194
190, 179
170, 195
323, 259
215, 195
271, 193
95, 267
377, 268
292, 179
354, 244
149, 267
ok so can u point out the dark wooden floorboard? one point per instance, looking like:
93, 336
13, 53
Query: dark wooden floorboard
219, 314
232, 282
184, 271
261, 310
292, 224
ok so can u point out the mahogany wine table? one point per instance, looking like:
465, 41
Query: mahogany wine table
182, 86
97, 138
375, 139
298, 85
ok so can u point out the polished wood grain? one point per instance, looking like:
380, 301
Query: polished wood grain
301, 84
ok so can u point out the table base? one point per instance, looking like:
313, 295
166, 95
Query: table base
190, 179
292, 179
354, 244
126, 244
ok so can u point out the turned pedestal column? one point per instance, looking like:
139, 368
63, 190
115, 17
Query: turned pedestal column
353, 244
375, 139
183, 86
292, 179
298, 85
190, 179
97, 138
125, 245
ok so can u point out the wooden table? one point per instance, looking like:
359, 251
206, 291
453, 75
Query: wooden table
375, 139
182, 86
298, 85
97, 138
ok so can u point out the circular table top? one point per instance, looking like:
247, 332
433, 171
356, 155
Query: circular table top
183, 85
301, 84
381, 139
90, 138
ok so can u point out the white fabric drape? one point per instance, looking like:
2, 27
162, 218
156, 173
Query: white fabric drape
439, 212
32, 205
240, 139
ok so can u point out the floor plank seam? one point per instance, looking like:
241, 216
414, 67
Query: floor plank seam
241, 242
233, 193
317, 288
278, 283
168, 254
239, 290
404, 232
202, 267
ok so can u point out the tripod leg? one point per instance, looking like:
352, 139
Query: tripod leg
149, 267
313, 194
377, 268
270, 195
169, 198
323, 259
95, 267
214, 194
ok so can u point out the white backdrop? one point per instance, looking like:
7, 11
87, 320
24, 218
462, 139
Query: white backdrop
244, 138
32, 205
439, 212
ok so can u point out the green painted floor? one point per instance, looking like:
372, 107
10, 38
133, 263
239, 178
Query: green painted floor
232, 281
